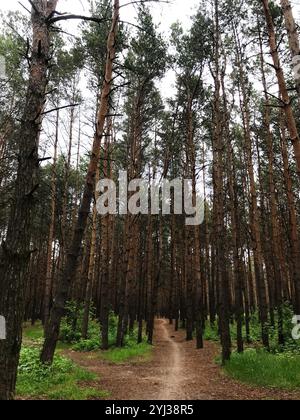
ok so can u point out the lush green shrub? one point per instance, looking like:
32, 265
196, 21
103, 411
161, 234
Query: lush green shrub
71, 325
289, 343
211, 331
112, 328
87, 345
61, 380
93, 342
70, 329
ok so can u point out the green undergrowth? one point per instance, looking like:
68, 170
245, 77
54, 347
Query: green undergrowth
131, 351
279, 368
34, 332
259, 368
71, 339
33, 336
254, 339
63, 380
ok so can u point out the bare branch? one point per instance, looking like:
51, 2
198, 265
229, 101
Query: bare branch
34, 7
59, 108
24, 7
63, 17
144, 1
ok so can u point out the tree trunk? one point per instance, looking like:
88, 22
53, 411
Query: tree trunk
49, 272
285, 98
235, 227
293, 36
277, 252
219, 202
16, 251
91, 270
293, 219
105, 242
52, 332
254, 211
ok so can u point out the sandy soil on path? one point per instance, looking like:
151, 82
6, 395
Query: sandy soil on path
173, 369
177, 371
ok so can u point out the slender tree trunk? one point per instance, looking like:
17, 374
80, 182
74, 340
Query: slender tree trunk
285, 98
254, 211
293, 36
149, 278
156, 281
16, 251
105, 226
190, 234
293, 219
52, 332
91, 270
122, 290
49, 273
277, 252
65, 226
218, 146
236, 228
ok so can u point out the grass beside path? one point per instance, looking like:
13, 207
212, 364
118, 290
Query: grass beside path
131, 352
64, 380
259, 368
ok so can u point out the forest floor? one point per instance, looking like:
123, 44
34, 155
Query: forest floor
176, 371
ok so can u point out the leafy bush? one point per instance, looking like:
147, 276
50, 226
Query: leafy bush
289, 343
211, 331
93, 342
87, 345
71, 325
67, 334
61, 380
112, 328
30, 363
70, 330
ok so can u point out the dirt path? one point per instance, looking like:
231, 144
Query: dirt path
177, 371
173, 369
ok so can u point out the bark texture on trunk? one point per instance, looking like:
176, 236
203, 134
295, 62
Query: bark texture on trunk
16, 251
52, 332
293, 36
285, 98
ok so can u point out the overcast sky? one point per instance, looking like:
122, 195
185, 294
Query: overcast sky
163, 13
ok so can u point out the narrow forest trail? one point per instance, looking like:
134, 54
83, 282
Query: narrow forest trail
173, 368
176, 371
